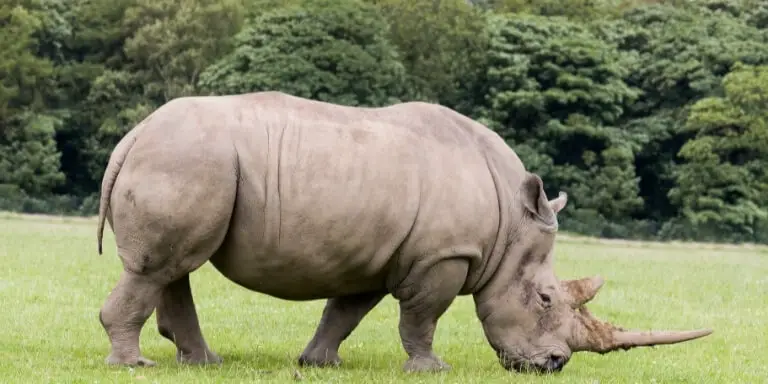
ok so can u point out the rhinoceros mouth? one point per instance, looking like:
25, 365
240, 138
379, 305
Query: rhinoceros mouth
519, 363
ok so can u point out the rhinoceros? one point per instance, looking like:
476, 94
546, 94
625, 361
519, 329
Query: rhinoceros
303, 200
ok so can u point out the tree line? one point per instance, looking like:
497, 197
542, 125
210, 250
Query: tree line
653, 115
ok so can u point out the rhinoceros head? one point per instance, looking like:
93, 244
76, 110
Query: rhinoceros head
534, 321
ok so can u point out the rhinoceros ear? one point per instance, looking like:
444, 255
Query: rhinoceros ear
559, 203
535, 201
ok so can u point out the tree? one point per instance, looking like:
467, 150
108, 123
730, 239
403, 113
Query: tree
577, 10
325, 50
723, 184
676, 55
683, 54
442, 44
555, 93
174, 41
28, 155
125, 58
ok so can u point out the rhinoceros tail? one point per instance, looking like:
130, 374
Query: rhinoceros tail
116, 161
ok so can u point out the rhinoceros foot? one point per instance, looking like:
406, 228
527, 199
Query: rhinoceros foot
426, 364
320, 358
205, 357
131, 362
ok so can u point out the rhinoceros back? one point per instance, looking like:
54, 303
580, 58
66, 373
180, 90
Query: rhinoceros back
336, 200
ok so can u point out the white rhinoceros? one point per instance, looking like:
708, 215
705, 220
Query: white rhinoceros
306, 200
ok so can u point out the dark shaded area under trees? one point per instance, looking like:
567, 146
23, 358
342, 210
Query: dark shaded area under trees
653, 115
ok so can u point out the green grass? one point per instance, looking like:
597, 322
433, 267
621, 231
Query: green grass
52, 284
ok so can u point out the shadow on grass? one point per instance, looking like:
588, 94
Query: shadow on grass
272, 360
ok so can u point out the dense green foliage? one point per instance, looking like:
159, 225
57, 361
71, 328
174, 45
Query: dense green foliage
653, 115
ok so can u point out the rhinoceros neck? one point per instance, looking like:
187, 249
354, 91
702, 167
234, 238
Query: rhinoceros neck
507, 172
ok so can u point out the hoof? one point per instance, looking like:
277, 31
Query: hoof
204, 358
135, 362
310, 360
426, 364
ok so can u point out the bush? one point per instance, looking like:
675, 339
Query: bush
329, 50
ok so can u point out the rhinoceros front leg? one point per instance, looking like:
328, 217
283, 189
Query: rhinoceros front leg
424, 297
177, 321
341, 316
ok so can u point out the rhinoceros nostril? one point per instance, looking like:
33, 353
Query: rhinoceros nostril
556, 362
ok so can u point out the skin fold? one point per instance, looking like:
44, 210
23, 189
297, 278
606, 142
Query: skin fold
305, 200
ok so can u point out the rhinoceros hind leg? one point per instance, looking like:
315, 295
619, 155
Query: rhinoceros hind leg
177, 321
424, 297
341, 316
170, 213
124, 313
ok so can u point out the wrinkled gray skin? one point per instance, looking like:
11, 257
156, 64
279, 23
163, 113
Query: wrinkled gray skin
304, 200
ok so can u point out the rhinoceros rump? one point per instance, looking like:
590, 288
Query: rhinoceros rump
305, 200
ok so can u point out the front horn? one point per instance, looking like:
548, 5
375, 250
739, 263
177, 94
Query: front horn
602, 337
632, 339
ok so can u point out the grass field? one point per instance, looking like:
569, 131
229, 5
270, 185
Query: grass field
52, 284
